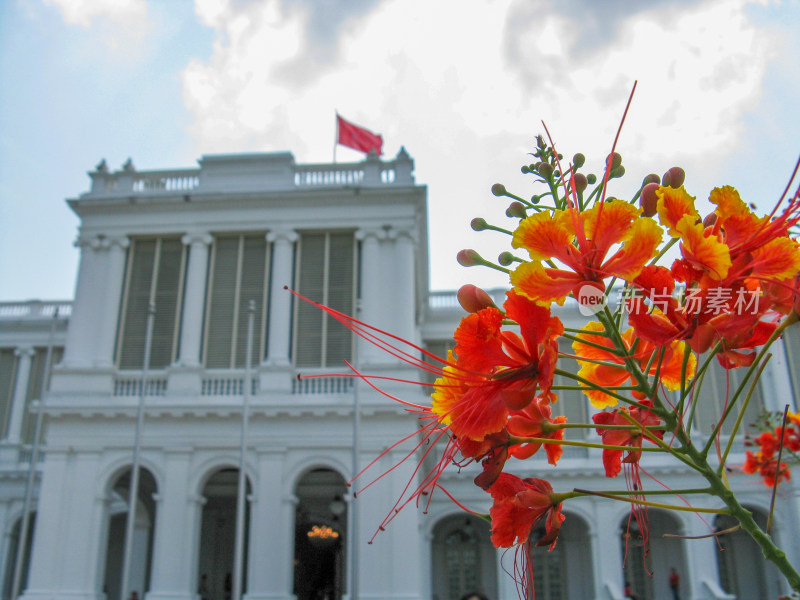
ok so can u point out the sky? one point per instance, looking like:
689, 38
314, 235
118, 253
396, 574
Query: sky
463, 86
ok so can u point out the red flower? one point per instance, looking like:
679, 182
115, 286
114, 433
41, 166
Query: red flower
767, 467
519, 506
496, 371
612, 459
535, 421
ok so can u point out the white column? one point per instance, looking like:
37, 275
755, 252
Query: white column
405, 282
606, 551
172, 576
49, 543
82, 330
113, 284
194, 298
280, 300
25, 355
374, 311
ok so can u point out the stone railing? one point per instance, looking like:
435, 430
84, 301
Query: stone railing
35, 309
246, 172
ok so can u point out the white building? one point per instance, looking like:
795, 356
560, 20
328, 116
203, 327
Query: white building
201, 244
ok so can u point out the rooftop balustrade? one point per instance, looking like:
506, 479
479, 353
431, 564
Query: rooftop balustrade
248, 172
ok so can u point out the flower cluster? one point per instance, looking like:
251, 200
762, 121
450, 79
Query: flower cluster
735, 279
730, 293
773, 442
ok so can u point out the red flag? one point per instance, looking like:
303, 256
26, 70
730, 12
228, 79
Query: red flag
357, 137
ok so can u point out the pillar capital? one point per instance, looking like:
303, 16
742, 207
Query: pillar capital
197, 237
282, 235
21, 351
379, 233
395, 233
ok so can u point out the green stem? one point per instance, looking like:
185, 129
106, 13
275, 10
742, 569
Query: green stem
717, 511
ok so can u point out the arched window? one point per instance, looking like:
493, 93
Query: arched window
649, 555
320, 548
218, 536
144, 522
12, 549
743, 571
464, 559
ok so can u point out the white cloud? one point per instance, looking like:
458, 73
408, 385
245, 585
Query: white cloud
464, 88
122, 24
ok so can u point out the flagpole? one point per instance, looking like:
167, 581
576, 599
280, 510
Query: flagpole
336, 137
133, 492
238, 556
34, 460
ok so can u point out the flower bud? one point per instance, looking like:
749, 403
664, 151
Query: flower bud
710, 220
652, 178
516, 209
580, 182
472, 298
674, 177
498, 189
478, 224
616, 172
505, 258
648, 200
544, 169
578, 160
469, 258
535, 199
591, 178
525, 170
616, 160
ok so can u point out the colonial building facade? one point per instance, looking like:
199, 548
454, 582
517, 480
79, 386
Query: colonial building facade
202, 246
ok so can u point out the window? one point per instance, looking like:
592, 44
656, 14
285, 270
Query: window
326, 268
8, 370
237, 275
716, 392
791, 341
35, 388
155, 273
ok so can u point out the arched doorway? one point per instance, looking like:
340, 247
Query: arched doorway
319, 541
742, 569
144, 523
649, 558
11, 557
218, 536
463, 558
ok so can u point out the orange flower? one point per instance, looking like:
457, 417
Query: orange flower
496, 371
612, 459
615, 373
521, 504
583, 243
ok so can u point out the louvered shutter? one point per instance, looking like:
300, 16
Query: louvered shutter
167, 299
155, 272
251, 285
239, 274
222, 291
36, 389
8, 370
340, 297
132, 334
311, 284
326, 274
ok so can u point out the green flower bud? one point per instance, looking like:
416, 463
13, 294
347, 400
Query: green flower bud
505, 258
469, 258
591, 178
544, 169
498, 189
578, 160
616, 160
617, 172
535, 199
478, 224
516, 209
652, 178
580, 182
525, 170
